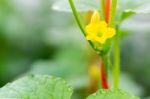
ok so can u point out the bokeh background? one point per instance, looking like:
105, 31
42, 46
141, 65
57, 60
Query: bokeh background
34, 39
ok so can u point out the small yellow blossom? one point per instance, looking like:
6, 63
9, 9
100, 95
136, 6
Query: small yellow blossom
98, 31
94, 71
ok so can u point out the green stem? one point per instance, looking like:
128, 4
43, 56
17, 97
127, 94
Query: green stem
116, 68
102, 3
99, 82
113, 13
76, 15
105, 61
104, 72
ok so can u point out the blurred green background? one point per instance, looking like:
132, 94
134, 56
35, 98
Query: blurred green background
35, 39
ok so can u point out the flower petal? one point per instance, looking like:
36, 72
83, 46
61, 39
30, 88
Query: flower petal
95, 17
98, 31
110, 32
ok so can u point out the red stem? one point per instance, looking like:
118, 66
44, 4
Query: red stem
107, 10
104, 81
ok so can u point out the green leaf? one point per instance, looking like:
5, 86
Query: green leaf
127, 14
37, 87
145, 9
112, 94
127, 8
81, 5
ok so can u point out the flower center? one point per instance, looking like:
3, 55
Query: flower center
99, 34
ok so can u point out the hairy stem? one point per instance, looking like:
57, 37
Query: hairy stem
113, 13
102, 3
116, 67
76, 15
104, 72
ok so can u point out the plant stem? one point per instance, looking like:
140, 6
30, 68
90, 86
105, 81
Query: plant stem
116, 68
113, 13
107, 10
104, 72
105, 63
76, 15
102, 3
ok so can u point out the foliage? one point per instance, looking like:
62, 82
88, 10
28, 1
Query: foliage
126, 8
40, 41
49, 87
37, 87
111, 94
82, 5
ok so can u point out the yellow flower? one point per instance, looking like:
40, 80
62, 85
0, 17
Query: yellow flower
94, 72
98, 31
